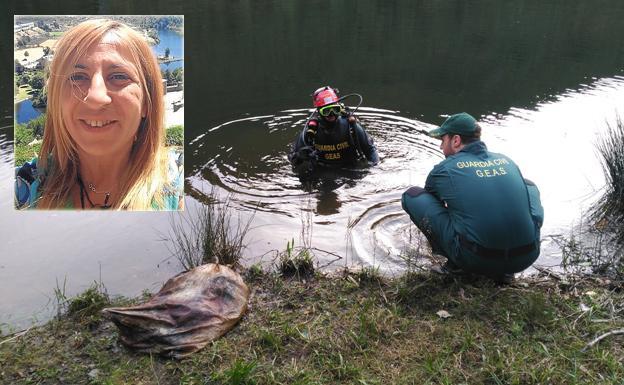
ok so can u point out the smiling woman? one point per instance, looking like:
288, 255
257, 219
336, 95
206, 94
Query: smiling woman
103, 144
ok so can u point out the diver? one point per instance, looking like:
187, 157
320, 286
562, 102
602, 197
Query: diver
332, 136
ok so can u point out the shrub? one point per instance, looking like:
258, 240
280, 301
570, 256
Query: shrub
37, 125
25, 134
175, 136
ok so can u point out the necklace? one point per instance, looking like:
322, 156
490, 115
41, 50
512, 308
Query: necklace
85, 194
91, 187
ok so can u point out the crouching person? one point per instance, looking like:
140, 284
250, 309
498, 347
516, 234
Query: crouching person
476, 209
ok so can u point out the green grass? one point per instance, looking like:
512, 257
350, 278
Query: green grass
343, 330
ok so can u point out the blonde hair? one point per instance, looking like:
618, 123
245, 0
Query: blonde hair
143, 182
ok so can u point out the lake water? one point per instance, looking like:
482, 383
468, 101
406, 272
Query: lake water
24, 111
175, 42
544, 79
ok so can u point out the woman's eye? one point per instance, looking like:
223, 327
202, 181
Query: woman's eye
119, 77
78, 77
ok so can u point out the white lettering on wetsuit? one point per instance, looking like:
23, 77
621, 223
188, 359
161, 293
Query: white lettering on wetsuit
330, 150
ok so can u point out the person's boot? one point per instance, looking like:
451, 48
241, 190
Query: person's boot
451, 268
504, 279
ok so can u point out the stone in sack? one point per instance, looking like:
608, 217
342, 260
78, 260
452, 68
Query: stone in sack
192, 309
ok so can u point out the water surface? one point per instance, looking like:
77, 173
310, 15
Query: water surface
24, 111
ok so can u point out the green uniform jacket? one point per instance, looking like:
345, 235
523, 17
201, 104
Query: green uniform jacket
488, 200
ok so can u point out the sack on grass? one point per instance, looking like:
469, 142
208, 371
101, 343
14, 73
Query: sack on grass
191, 309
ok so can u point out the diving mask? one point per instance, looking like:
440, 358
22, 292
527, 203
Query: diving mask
335, 109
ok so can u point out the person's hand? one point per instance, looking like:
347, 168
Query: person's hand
305, 160
351, 119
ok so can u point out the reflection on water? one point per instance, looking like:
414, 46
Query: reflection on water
255, 165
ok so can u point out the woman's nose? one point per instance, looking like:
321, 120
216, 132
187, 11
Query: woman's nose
97, 94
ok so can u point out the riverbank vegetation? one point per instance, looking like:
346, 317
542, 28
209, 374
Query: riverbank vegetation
350, 327
207, 234
597, 245
421, 328
609, 211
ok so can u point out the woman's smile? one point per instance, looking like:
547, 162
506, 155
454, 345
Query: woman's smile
97, 124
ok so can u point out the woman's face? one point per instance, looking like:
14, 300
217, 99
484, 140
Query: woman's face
103, 101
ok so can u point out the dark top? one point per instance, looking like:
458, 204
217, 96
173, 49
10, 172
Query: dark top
488, 200
340, 143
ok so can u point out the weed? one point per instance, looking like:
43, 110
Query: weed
254, 273
61, 298
590, 251
89, 303
270, 340
608, 212
334, 362
369, 275
296, 261
208, 235
414, 251
85, 306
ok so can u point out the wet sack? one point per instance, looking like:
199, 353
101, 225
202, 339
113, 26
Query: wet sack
190, 310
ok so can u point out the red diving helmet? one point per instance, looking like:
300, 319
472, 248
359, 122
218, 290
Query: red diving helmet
324, 96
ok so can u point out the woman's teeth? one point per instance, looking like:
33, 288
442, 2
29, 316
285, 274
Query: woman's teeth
98, 123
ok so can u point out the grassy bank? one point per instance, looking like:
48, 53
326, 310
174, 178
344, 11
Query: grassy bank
355, 329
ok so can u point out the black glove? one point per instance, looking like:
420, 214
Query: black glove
304, 160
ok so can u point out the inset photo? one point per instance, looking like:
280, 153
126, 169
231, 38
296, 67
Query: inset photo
99, 112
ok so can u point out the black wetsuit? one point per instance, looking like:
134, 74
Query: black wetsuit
333, 144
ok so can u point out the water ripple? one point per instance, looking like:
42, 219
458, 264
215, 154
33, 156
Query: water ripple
348, 203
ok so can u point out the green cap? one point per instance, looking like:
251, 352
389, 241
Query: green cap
458, 124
